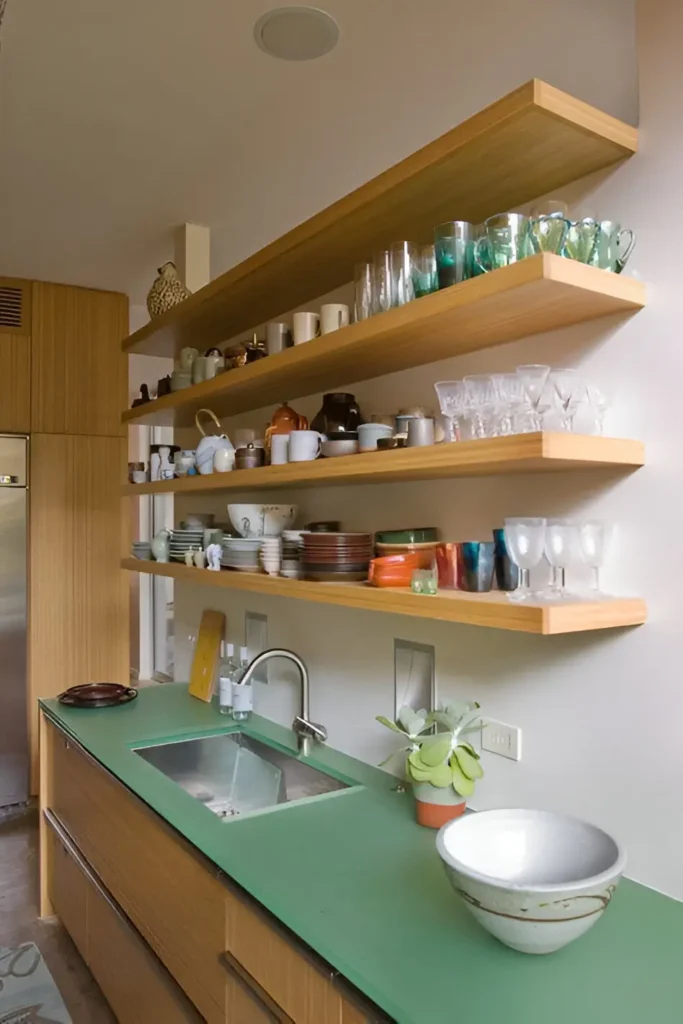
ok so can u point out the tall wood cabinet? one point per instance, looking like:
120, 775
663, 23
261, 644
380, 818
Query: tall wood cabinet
63, 382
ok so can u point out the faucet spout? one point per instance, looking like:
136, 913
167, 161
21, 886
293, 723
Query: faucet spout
307, 732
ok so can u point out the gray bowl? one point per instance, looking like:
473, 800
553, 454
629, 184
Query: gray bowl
534, 879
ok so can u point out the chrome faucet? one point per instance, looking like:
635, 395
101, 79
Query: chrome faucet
306, 731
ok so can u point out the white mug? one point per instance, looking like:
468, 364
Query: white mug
223, 460
333, 315
279, 449
304, 445
306, 327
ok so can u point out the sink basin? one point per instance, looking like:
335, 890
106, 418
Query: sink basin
234, 773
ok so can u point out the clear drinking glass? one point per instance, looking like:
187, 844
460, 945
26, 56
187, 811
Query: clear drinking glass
525, 540
454, 247
582, 239
402, 263
481, 402
614, 246
570, 388
424, 271
550, 208
548, 233
362, 291
452, 403
561, 550
381, 282
533, 377
505, 241
594, 538
600, 402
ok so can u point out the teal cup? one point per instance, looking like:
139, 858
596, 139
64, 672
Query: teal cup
505, 240
548, 233
581, 240
613, 248
454, 251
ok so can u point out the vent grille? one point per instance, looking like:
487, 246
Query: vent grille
11, 307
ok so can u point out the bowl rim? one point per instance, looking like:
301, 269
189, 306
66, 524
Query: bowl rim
617, 868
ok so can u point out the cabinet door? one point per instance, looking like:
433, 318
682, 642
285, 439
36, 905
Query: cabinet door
78, 371
78, 594
15, 383
67, 889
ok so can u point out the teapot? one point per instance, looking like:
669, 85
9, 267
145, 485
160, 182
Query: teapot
210, 443
285, 420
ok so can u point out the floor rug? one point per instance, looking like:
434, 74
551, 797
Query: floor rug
28, 995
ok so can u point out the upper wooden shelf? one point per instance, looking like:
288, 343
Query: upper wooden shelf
537, 294
521, 453
531, 142
493, 609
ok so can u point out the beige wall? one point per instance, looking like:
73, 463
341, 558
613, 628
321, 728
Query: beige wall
600, 713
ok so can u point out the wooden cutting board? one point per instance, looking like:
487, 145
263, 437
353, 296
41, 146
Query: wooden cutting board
206, 654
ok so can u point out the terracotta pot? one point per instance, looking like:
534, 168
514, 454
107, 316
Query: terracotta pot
434, 807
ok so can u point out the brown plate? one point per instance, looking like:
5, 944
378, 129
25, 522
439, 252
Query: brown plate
336, 567
97, 695
334, 538
335, 577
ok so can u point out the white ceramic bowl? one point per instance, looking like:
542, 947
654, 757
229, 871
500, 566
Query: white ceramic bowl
534, 879
262, 520
332, 449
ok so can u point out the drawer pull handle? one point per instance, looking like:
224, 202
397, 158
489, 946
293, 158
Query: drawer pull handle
259, 994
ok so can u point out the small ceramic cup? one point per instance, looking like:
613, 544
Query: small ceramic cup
420, 432
333, 315
304, 445
200, 559
370, 433
306, 327
279, 449
223, 460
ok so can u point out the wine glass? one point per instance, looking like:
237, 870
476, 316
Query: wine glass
594, 537
509, 399
561, 547
481, 400
570, 389
533, 377
452, 403
525, 540
599, 401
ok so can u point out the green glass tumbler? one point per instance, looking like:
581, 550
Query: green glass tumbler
582, 239
614, 246
454, 249
425, 280
548, 233
505, 241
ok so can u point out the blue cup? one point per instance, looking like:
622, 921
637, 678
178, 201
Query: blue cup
507, 573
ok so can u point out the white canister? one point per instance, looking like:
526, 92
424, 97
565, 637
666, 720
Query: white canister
223, 460
279, 449
333, 315
199, 370
210, 443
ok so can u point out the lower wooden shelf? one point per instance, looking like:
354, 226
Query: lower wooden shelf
493, 610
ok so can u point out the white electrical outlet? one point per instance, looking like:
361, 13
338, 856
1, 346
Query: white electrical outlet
498, 738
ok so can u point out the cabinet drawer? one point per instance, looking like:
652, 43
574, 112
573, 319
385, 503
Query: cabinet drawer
167, 891
67, 888
304, 991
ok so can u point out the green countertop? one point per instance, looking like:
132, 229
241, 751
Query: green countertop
355, 877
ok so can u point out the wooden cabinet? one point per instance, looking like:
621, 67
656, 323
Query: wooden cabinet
15, 356
67, 887
231, 958
78, 373
78, 596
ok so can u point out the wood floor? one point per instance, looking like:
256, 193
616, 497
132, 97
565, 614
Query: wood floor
19, 921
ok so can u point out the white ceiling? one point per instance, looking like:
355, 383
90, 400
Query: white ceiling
120, 119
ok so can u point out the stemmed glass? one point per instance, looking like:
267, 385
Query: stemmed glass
510, 398
570, 389
533, 377
599, 401
452, 402
594, 537
481, 400
525, 540
561, 546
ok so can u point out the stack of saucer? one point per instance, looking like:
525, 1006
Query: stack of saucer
292, 541
184, 539
271, 555
242, 554
336, 557
142, 549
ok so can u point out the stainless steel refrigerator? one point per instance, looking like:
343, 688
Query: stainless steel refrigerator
13, 561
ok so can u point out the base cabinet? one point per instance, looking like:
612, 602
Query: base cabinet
166, 937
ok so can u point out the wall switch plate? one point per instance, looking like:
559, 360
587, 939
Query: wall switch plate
414, 683
498, 738
256, 640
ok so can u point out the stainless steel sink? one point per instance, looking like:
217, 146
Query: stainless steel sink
234, 773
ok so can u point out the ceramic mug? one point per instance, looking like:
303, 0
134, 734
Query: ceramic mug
304, 445
370, 433
223, 460
420, 432
278, 337
279, 449
333, 315
199, 370
306, 327
214, 363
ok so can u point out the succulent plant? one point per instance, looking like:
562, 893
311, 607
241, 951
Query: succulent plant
440, 758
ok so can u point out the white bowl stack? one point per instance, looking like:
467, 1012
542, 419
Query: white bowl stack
242, 554
291, 549
271, 555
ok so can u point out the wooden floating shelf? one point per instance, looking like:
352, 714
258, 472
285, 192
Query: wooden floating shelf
531, 142
493, 610
538, 294
521, 453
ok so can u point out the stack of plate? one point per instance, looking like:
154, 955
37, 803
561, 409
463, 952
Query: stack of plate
183, 540
142, 549
336, 557
242, 553
292, 541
